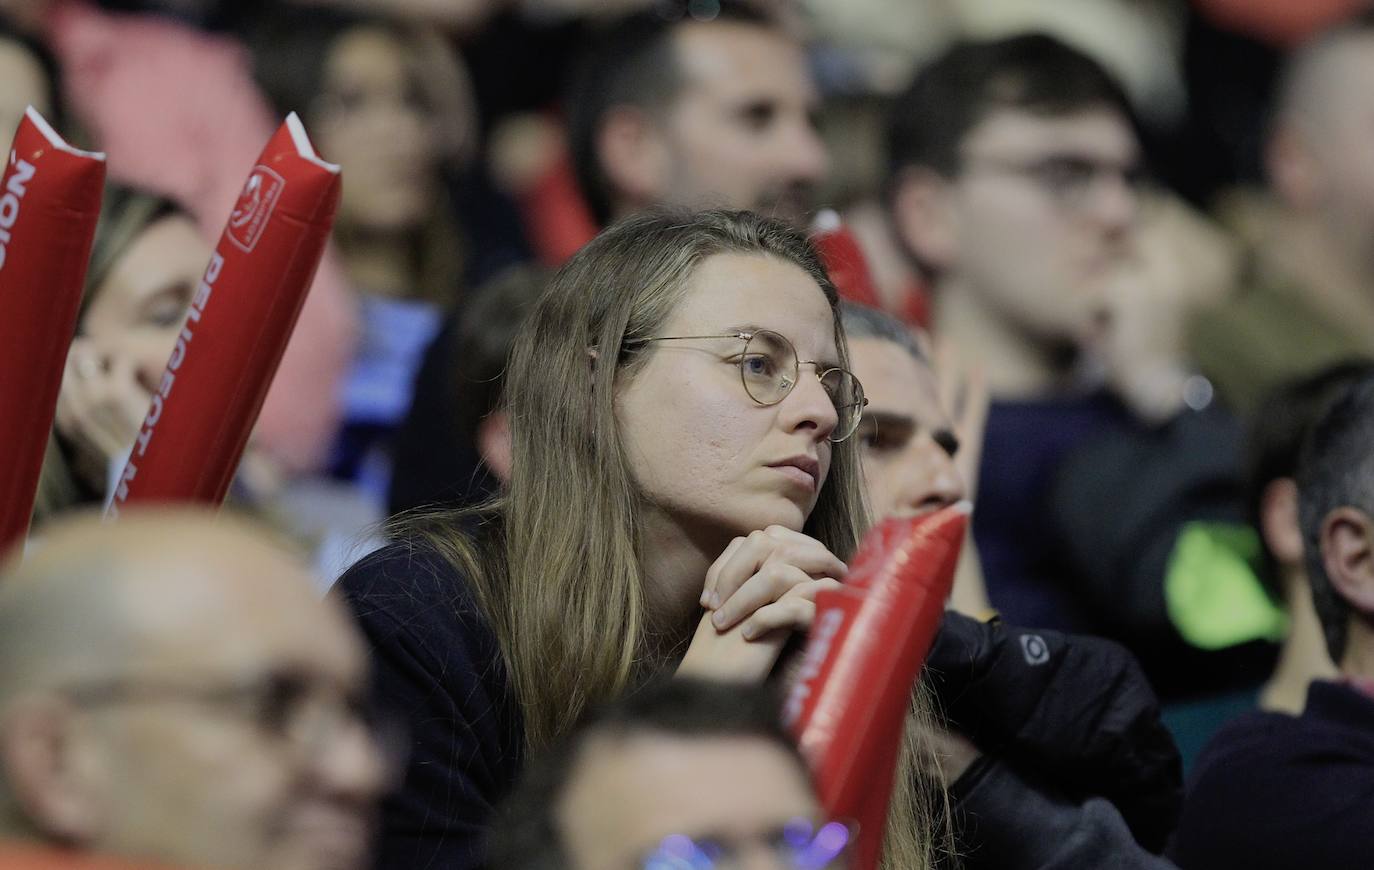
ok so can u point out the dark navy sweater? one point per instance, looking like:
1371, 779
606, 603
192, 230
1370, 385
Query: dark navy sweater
438, 668
1274, 791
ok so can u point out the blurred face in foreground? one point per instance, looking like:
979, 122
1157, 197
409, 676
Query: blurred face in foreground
209, 717
658, 801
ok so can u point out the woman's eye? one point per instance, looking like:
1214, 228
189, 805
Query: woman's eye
165, 310
758, 366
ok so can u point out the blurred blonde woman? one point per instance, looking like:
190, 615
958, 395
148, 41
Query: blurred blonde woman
146, 261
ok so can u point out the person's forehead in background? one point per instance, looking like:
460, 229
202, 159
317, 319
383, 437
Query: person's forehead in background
23, 83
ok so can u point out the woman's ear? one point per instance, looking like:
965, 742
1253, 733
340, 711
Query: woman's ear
48, 766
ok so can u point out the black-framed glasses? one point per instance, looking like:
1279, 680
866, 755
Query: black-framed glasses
1069, 179
798, 845
304, 713
769, 370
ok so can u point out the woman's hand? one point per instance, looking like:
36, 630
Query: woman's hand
100, 407
760, 590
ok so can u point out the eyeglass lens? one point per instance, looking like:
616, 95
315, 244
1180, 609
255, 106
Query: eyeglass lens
769, 368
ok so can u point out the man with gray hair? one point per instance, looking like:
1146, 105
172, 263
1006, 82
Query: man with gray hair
172, 690
1274, 790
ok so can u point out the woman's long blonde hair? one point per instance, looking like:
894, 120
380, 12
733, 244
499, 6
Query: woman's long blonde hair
562, 587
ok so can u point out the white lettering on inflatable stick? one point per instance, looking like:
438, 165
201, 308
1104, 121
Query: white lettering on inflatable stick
164, 392
827, 627
15, 190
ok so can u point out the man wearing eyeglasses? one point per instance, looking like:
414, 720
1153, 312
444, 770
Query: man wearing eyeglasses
1015, 186
172, 690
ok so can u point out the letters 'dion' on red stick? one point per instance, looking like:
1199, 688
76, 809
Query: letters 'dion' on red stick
864, 655
49, 204
240, 318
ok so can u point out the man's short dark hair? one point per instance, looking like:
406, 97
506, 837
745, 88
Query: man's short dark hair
1275, 439
1031, 72
632, 63
527, 834
863, 321
1336, 470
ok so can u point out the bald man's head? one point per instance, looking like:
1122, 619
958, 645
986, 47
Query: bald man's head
171, 688
1318, 154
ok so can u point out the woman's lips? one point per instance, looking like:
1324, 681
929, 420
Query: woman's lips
802, 471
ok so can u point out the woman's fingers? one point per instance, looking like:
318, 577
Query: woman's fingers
774, 544
769, 584
795, 611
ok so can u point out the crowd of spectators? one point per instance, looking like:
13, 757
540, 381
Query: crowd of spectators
1103, 269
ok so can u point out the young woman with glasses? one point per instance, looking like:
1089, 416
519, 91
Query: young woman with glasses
683, 485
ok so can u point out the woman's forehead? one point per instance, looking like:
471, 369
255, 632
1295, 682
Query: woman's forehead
733, 290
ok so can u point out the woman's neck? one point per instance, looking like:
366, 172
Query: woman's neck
675, 561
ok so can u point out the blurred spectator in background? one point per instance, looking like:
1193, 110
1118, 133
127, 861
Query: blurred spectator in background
1307, 303
1015, 185
683, 774
1275, 445
455, 450
172, 689
146, 262
177, 112
28, 77
392, 106
1275, 790
712, 111
1253, 590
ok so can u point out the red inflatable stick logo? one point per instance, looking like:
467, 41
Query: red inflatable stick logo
49, 204
867, 644
236, 328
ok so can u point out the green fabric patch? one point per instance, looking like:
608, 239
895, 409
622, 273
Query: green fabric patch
1212, 590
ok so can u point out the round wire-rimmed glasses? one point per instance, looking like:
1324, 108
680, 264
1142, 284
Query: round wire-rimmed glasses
769, 370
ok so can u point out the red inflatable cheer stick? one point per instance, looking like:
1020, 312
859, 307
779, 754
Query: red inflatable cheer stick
236, 328
868, 642
844, 260
49, 204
